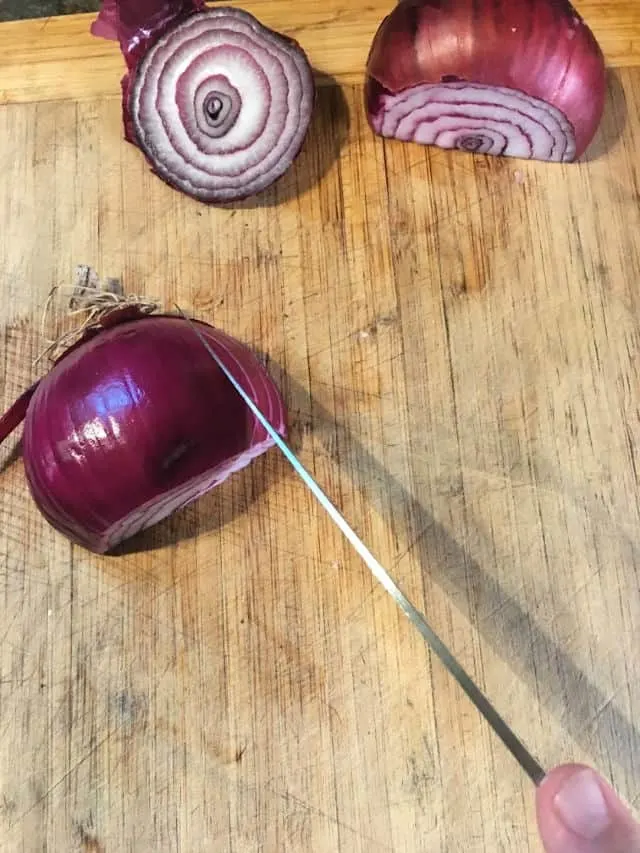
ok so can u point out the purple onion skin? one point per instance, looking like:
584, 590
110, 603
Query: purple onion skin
138, 421
136, 24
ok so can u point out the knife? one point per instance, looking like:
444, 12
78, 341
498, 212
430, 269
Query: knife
501, 728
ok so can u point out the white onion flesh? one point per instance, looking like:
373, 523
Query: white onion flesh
221, 105
165, 505
477, 118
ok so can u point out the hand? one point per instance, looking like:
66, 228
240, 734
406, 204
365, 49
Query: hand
578, 812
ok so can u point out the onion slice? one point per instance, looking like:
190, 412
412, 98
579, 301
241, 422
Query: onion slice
136, 422
515, 78
219, 104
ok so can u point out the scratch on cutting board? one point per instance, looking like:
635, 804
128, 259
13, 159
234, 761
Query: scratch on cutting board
421, 772
65, 776
3, 639
499, 607
573, 595
360, 606
593, 722
292, 799
550, 490
375, 588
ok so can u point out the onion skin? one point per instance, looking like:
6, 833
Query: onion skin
106, 24
219, 104
14, 416
136, 24
541, 50
137, 421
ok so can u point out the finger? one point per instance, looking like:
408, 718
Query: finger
578, 812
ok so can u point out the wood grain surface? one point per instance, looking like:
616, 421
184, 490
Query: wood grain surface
57, 58
457, 340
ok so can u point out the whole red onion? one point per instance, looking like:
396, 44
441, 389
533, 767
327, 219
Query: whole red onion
219, 104
137, 421
518, 78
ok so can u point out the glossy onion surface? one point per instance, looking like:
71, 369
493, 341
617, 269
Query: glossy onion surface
517, 78
138, 422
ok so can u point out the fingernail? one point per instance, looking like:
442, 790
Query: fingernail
581, 806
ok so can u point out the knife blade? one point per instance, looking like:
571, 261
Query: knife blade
499, 725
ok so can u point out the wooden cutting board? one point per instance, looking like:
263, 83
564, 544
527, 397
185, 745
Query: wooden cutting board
457, 340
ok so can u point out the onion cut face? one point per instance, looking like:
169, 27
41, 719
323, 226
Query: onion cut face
514, 78
137, 422
219, 104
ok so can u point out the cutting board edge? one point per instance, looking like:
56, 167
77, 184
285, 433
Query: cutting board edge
57, 58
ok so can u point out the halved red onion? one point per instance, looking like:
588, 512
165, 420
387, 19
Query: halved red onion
515, 78
136, 422
219, 103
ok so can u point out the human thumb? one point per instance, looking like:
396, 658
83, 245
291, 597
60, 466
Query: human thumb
578, 812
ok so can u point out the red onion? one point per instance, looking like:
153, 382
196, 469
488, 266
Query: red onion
518, 78
137, 421
219, 104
